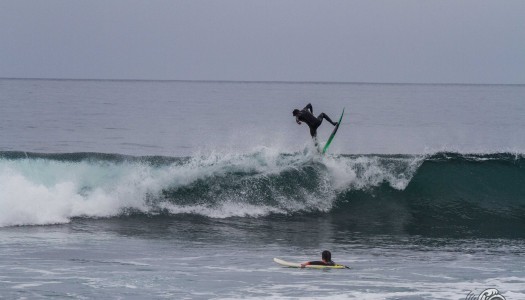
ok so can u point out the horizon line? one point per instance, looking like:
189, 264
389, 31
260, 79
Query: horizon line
251, 81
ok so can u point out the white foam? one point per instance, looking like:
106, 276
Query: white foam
224, 210
22, 286
44, 191
53, 192
363, 172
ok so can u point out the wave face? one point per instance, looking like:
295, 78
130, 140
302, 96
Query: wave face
444, 193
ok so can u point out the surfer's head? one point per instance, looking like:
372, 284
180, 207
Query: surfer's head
326, 255
295, 112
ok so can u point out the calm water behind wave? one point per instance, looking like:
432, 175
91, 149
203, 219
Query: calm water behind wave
179, 118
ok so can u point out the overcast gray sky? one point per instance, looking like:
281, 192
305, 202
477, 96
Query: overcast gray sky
272, 40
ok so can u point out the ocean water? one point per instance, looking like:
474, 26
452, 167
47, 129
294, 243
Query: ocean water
188, 190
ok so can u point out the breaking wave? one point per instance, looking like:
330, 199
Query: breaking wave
419, 193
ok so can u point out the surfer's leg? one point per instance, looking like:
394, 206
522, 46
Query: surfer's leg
323, 115
313, 132
316, 143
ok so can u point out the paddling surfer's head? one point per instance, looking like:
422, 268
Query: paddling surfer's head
326, 256
295, 112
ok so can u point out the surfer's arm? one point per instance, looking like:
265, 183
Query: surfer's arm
309, 106
297, 120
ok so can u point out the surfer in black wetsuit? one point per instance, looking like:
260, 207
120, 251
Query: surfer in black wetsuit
326, 257
306, 115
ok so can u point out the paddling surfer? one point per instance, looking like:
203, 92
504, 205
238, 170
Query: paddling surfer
326, 260
306, 115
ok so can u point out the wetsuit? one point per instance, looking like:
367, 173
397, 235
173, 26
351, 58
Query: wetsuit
321, 263
306, 115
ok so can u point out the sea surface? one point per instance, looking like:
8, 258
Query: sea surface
188, 190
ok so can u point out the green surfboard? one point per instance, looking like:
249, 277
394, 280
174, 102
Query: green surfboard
333, 133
